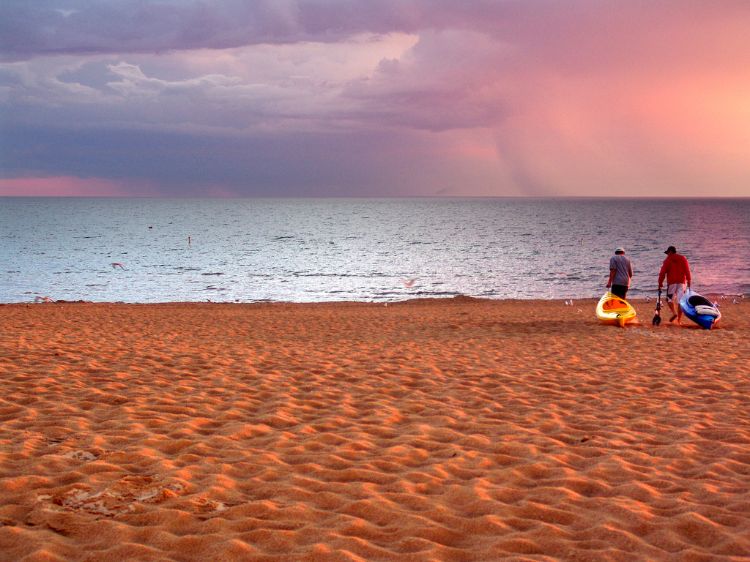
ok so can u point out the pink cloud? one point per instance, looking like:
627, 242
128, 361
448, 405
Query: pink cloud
62, 186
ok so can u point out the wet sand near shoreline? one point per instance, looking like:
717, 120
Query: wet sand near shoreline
454, 429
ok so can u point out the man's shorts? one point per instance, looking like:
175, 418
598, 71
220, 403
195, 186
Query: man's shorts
675, 292
619, 290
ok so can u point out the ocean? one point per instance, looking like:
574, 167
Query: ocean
312, 250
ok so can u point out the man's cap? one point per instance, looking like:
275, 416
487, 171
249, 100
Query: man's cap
671, 250
620, 250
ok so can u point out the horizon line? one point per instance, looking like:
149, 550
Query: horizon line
229, 197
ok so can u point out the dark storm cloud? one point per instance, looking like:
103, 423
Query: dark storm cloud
180, 164
41, 27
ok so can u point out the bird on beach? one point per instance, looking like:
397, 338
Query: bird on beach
116, 264
43, 299
408, 283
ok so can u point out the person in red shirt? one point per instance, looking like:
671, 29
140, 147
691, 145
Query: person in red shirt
676, 269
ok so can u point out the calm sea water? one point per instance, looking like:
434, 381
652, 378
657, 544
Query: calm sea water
353, 249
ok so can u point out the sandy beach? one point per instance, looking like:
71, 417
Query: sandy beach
457, 430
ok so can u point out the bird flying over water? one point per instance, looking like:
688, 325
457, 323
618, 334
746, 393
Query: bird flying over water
116, 264
408, 283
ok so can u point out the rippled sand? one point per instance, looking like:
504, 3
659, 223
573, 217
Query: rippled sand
434, 430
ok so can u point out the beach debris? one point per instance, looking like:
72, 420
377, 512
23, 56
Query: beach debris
116, 264
569, 302
408, 283
39, 298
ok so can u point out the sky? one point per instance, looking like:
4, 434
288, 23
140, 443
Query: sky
375, 98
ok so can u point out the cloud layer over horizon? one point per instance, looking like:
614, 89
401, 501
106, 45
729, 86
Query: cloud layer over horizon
367, 97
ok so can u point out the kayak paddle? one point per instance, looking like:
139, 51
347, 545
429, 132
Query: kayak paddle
657, 313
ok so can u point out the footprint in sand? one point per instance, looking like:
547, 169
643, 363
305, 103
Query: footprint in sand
83, 455
119, 497
206, 506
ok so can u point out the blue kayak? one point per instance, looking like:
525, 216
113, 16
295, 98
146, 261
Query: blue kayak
699, 309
